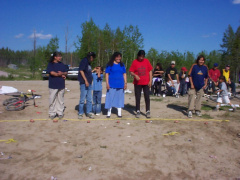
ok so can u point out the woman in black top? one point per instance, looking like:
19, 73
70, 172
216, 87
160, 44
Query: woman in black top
157, 79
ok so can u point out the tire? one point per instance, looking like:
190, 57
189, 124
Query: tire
15, 106
10, 100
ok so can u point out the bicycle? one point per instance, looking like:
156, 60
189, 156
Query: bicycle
19, 101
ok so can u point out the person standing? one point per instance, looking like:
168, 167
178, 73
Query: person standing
85, 80
116, 83
172, 75
97, 74
198, 79
57, 74
157, 79
141, 70
214, 75
182, 78
226, 74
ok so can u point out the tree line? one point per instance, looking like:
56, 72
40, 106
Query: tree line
104, 42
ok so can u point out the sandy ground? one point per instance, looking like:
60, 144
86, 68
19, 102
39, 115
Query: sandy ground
104, 149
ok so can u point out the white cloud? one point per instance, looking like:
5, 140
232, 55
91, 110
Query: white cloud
19, 35
209, 35
41, 36
236, 1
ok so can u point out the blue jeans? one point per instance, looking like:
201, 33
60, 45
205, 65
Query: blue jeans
85, 94
97, 97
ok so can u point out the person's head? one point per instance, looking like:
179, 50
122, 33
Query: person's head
141, 55
215, 65
184, 69
56, 57
172, 64
221, 79
227, 67
158, 66
200, 60
91, 56
100, 68
116, 58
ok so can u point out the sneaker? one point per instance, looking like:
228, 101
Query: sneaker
60, 116
148, 114
198, 113
90, 115
138, 114
97, 114
80, 116
52, 117
190, 114
234, 109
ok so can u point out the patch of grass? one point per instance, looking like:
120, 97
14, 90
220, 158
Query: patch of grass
156, 99
206, 107
207, 116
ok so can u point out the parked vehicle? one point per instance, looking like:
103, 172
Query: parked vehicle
44, 74
73, 73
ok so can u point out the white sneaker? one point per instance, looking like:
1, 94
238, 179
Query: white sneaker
97, 114
190, 114
198, 113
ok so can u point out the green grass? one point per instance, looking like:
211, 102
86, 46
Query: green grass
156, 99
207, 116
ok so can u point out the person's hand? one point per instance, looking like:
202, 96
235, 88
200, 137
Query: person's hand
178, 81
137, 77
107, 86
150, 84
86, 83
125, 86
192, 86
59, 73
204, 87
63, 76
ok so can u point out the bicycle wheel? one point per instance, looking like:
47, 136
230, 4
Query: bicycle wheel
15, 106
10, 100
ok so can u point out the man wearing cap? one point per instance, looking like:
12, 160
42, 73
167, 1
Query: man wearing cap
214, 75
226, 74
171, 73
85, 79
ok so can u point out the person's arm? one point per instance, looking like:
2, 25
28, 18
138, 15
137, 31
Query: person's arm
98, 73
84, 78
125, 80
135, 76
107, 81
169, 76
150, 81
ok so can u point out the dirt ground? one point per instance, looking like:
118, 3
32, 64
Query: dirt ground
203, 148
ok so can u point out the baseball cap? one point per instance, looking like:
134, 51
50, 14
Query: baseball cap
215, 65
172, 62
227, 65
184, 69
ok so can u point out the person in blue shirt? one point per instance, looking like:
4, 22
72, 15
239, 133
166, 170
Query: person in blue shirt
116, 82
57, 74
198, 79
85, 80
97, 74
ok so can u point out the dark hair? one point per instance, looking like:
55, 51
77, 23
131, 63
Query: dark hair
160, 65
141, 53
199, 57
222, 78
56, 53
89, 54
111, 61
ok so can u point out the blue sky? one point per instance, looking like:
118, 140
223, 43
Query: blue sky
183, 25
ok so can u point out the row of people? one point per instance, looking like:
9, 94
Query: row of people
116, 82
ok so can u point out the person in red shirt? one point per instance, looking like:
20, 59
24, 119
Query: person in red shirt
141, 69
214, 75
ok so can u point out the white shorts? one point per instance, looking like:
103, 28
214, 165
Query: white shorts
224, 99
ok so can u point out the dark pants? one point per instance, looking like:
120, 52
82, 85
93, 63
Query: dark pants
233, 87
182, 88
138, 89
157, 87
